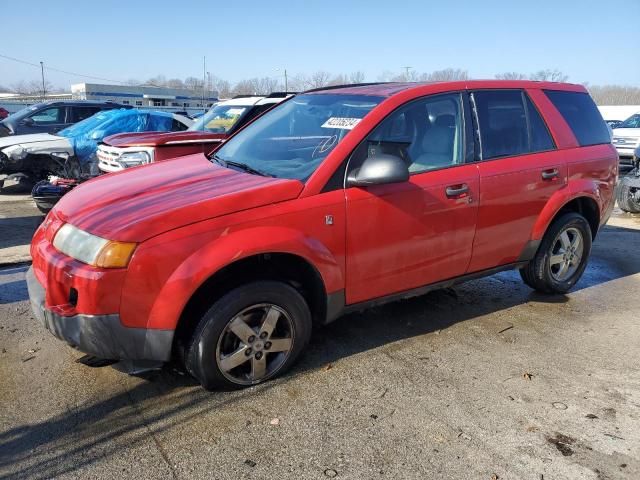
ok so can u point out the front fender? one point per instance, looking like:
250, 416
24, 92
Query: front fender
575, 189
227, 249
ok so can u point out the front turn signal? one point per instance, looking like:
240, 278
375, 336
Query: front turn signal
115, 254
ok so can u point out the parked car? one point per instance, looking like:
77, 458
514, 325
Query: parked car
39, 155
626, 137
51, 117
4, 113
125, 150
629, 186
335, 200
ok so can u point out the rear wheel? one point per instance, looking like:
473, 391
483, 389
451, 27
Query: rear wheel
562, 256
249, 335
628, 196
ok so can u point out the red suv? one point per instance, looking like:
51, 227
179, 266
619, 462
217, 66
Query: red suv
336, 199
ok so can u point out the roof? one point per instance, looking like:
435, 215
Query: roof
387, 89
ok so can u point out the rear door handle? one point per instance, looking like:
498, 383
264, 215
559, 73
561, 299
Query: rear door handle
550, 174
455, 191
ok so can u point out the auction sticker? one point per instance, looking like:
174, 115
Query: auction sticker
341, 122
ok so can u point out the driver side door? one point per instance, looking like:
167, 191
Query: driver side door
401, 236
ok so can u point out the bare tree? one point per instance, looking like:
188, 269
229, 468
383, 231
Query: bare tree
157, 81
193, 83
511, 76
615, 94
446, 75
356, 77
174, 83
549, 75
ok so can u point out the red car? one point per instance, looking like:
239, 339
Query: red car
335, 200
125, 150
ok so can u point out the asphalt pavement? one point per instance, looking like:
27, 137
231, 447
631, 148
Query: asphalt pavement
486, 380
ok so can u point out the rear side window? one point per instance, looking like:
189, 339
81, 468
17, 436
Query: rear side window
80, 113
582, 116
510, 124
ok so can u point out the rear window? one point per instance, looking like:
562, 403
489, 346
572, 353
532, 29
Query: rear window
582, 116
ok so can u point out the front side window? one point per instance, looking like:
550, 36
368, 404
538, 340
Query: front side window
291, 140
49, 116
427, 134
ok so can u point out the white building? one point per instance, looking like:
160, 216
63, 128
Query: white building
145, 96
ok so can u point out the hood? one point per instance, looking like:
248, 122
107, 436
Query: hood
150, 139
39, 143
626, 132
24, 139
143, 202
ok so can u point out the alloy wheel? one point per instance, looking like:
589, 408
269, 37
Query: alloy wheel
566, 254
255, 344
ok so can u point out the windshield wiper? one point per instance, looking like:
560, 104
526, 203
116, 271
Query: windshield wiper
242, 166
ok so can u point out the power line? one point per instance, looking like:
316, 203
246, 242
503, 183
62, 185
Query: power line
59, 70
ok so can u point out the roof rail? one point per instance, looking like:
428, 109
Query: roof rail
280, 94
346, 85
246, 96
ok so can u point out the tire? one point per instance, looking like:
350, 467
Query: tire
544, 272
221, 358
626, 197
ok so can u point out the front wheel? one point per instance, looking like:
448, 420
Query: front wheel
562, 256
249, 335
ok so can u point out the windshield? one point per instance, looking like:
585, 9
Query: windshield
291, 140
220, 119
24, 112
632, 122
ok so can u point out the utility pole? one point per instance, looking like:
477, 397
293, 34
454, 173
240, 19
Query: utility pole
44, 92
407, 72
286, 86
204, 80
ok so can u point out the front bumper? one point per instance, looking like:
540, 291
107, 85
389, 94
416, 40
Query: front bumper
101, 335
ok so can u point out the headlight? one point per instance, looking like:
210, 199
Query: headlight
16, 152
91, 249
133, 159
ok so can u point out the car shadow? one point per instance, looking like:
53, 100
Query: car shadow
16, 231
91, 432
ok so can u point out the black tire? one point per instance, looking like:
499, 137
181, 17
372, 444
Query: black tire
202, 355
626, 197
539, 274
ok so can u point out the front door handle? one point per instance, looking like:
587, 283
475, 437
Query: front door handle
550, 174
455, 191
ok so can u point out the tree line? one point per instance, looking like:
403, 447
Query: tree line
602, 94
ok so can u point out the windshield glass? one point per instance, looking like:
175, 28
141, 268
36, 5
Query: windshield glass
24, 112
291, 140
220, 119
632, 122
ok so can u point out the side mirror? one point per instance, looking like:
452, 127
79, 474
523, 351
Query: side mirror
28, 122
379, 170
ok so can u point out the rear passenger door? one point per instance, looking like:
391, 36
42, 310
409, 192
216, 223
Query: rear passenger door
520, 169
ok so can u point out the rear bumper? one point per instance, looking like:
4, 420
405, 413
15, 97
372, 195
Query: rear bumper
101, 335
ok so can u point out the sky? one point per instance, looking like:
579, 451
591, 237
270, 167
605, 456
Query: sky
589, 40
